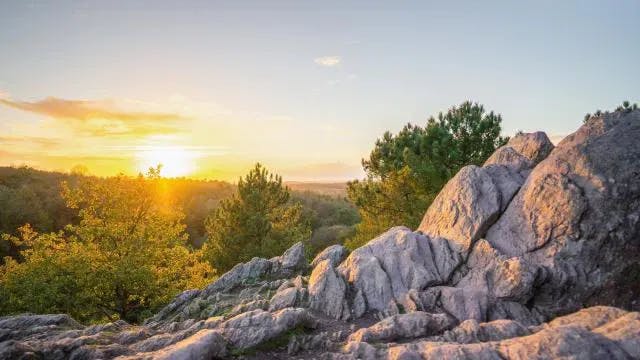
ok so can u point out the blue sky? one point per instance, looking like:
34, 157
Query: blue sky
303, 87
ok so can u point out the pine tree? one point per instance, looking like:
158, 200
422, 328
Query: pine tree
259, 220
407, 170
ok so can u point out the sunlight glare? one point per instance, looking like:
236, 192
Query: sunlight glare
176, 161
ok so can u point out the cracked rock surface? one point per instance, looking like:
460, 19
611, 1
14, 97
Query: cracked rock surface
534, 255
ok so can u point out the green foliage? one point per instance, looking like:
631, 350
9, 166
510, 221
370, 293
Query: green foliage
125, 258
332, 219
259, 220
279, 342
197, 198
406, 171
625, 107
34, 197
329, 235
325, 210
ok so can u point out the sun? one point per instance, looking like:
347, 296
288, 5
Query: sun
176, 161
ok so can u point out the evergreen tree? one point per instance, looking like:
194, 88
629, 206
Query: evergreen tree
259, 220
406, 171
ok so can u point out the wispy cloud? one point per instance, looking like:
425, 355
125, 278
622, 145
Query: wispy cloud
100, 118
41, 142
84, 110
328, 61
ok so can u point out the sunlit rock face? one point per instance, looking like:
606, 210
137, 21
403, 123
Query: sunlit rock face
576, 217
513, 260
476, 196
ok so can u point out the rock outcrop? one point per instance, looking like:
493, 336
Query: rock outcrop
515, 259
592, 336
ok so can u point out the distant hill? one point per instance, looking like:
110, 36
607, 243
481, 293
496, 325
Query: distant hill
332, 189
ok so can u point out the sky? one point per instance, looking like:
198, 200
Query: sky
209, 88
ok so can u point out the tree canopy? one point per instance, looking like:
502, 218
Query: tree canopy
259, 220
405, 171
125, 258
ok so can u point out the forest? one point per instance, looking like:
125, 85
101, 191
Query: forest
107, 248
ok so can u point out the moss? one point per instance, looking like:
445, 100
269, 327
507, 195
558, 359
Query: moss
223, 311
401, 309
279, 342
250, 281
243, 352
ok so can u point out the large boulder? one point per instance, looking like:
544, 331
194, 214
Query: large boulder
334, 253
578, 215
476, 196
327, 291
534, 146
470, 203
386, 268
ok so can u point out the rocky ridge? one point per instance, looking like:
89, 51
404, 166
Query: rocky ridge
532, 255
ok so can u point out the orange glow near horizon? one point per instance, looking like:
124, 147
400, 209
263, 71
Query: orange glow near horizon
175, 161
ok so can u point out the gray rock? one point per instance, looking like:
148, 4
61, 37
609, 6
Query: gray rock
509, 157
386, 268
205, 344
293, 258
589, 318
602, 333
625, 332
577, 217
249, 306
252, 328
327, 291
535, 146
404, 326
334, 253
513, 279
178, 302
11, 349
284, 299
472, 331
461, 303
470, 203
29, 320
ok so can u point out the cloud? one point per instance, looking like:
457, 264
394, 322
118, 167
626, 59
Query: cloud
100, 118
41, 142
328, 61
85, 110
